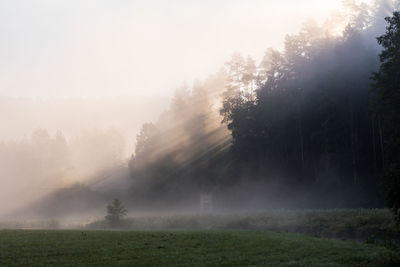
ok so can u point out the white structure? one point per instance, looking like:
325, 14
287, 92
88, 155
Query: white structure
206, 204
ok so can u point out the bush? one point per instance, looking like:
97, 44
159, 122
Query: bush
391, 183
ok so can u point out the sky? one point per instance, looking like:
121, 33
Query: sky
102, 48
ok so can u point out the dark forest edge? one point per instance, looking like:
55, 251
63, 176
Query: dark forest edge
317, 121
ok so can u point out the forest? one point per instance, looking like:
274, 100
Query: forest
311, 121
200, 133
312, 125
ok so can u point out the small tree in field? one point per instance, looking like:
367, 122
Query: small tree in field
115, 212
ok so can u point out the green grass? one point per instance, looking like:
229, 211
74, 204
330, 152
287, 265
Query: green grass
184, 248
356, 224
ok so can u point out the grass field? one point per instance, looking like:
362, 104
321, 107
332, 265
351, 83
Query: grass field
355, 224
184, 248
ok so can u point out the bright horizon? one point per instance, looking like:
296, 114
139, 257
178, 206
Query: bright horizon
116, 48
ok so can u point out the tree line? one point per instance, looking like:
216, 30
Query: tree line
319, 118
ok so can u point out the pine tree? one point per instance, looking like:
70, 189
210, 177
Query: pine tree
387, 106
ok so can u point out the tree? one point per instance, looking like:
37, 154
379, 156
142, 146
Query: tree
115, 212
387, 105
309, 120
249, 77
236, 68
145, 140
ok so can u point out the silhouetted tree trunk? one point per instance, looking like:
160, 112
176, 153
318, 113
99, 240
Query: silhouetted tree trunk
301, 143
374, 143
353, 142
381, 143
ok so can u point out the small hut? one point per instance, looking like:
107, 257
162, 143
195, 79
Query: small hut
206, 203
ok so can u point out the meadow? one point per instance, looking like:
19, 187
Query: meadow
354, 224
184, 248
348, 237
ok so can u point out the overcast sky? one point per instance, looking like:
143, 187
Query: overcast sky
85, 48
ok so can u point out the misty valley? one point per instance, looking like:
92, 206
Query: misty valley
289, 158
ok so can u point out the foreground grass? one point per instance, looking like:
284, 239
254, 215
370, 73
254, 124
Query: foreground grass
188, 248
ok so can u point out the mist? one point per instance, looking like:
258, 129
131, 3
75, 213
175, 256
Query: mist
47, 144
260, 105
103, 48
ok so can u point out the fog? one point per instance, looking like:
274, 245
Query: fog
113, 48
157, 102
50, 143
